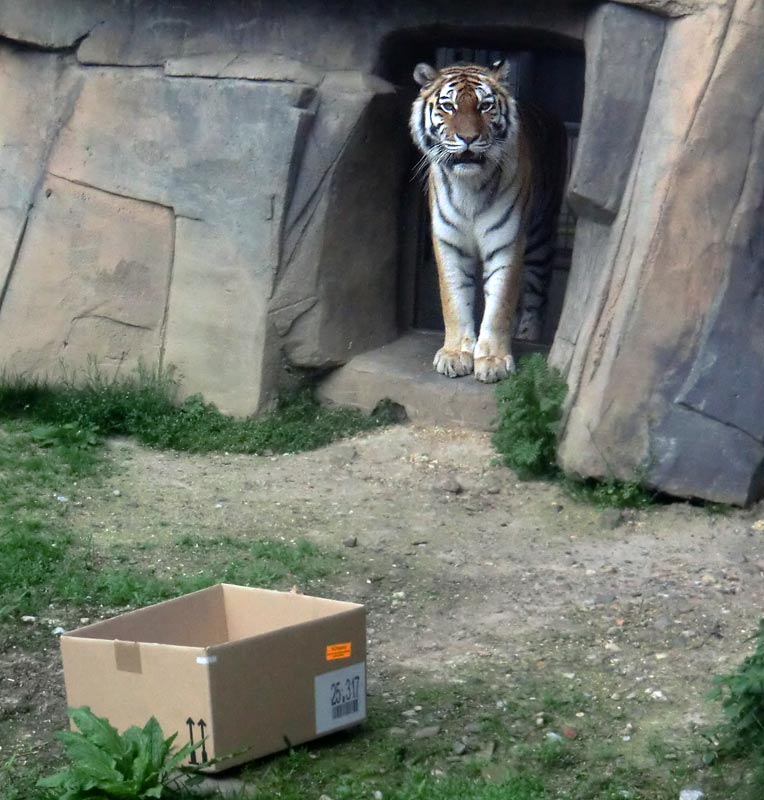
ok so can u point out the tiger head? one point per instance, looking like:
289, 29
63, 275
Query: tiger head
464, 118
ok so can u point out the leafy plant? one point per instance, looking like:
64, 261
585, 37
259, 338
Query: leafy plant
611, 493
742, 697
136, 765
530, 409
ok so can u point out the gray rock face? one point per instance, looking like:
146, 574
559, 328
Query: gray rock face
623, 43
665, 361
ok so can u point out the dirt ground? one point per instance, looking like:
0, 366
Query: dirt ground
461, 566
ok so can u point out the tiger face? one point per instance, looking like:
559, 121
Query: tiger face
464, 118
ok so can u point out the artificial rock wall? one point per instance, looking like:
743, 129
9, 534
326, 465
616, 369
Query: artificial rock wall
209, 185
662, 334
217, 186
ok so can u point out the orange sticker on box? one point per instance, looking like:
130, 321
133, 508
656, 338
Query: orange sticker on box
334, 652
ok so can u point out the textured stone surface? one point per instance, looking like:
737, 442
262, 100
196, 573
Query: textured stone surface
622, 42
192, 146
47, 23
37, 95
340, 237
84, 287
655, 389
338, 35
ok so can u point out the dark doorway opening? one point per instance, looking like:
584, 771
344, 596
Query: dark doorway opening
546, 71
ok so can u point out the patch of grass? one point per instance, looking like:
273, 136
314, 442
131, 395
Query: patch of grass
611, 493
43, 562
742, 697
530, 410
143, 405
266, 563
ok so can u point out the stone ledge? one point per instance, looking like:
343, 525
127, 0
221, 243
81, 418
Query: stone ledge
402, 372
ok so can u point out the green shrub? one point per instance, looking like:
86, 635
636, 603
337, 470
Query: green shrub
136, 765
742, 697
611, 493
530, 409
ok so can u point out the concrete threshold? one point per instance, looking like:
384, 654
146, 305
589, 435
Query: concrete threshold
402, 371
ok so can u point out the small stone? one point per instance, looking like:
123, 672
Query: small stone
399, 595
459, 748
691, 794
540, 720
28, 619
324, 797
397, 731
708, 580
473, 727
351, 541
451, 485
553, 737
84, 620
58, 630
612, 647
378, 795
427, 732
658, 695
411, 712
117, 493
62, 498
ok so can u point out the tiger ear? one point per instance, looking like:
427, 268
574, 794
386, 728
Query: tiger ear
501, 71
424, 74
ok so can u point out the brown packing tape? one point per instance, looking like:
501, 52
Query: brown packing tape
127, 656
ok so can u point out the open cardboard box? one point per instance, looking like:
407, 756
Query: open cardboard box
251, 670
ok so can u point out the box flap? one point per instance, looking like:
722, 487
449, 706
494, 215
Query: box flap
253, 612
194, 620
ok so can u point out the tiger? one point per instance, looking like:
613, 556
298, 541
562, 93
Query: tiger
495, 182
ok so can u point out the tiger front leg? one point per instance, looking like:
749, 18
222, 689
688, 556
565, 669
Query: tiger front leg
456, 277
502, 279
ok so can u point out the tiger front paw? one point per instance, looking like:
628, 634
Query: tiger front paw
453, 363
490, 369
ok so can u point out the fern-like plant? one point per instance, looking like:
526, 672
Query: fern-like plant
530, 410
137, 765
742, 697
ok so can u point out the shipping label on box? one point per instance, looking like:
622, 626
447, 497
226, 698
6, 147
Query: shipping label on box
340, 698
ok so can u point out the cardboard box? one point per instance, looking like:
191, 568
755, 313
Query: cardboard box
252, 670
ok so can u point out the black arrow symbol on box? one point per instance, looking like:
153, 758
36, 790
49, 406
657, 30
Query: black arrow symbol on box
192, 757
202, 725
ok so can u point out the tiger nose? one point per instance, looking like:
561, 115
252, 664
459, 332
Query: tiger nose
468, 140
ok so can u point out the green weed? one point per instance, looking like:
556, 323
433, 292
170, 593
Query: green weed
611, 493
530, 410
742, 697
139, 764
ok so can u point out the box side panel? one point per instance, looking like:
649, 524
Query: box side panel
263, 690
251, 612
128, 683
194, 620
